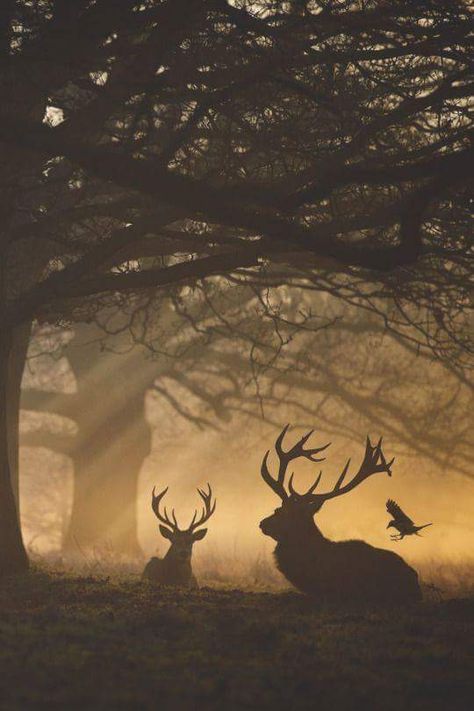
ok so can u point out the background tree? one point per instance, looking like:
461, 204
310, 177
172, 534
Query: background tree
111, 440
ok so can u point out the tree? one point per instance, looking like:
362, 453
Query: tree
110, 444
139, 131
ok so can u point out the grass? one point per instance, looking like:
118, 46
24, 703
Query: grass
93, 642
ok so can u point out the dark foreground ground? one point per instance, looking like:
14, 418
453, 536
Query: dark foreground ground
90, 643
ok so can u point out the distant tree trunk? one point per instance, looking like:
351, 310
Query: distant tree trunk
13, 557
113, 441
107, 465
17, 359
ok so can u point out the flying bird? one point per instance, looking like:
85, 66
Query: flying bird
401, 522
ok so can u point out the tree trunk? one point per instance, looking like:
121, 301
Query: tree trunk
13, 558
107, 465
17, 359
113, 440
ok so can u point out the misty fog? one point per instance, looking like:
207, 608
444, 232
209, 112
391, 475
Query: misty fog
227, 453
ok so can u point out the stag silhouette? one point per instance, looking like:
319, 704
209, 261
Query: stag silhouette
346, 571
175, 568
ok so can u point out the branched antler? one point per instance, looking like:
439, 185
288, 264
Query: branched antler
374, 461
207, 511
298, 450
163, 517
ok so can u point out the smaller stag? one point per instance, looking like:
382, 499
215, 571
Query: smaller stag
331, 571
175, 567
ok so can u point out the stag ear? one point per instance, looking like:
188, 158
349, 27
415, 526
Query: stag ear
166, 533
199, 535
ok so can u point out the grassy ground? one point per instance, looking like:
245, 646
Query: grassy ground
93, 643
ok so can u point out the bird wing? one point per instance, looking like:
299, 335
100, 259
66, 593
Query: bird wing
394, 510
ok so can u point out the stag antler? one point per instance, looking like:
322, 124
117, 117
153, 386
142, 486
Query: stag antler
374, 461
163, 517
298, 450
207, 511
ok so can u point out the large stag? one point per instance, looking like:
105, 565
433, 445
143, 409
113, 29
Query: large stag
175, 568
345, 571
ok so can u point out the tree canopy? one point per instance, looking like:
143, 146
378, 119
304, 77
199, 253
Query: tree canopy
305, 141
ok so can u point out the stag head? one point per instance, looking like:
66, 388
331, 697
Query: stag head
298, 509
182, 540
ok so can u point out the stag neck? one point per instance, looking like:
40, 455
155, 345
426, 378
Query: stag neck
172, 557
304, 530
176, 570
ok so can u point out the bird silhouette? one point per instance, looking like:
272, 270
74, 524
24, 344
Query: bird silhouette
401, 522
